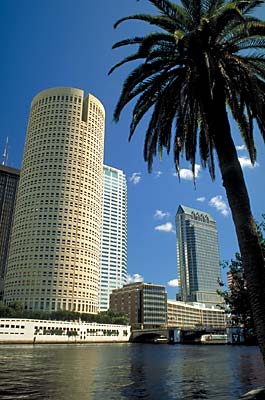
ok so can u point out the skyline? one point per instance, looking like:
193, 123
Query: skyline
40, 51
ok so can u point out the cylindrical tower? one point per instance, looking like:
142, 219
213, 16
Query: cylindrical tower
54, 255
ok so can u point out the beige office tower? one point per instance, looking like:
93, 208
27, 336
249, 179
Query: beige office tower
54, 255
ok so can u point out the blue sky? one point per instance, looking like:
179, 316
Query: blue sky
68, 43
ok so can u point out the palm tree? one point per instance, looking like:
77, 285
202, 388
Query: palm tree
207, 56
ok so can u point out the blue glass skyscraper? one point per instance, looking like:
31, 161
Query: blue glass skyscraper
197, 256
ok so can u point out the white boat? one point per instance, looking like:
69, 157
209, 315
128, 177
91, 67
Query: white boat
161, 340
214, 339
14, 330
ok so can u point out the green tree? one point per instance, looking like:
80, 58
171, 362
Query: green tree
236, 296
15, 310
5, 311
206, 56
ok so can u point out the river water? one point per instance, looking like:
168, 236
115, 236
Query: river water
128, 371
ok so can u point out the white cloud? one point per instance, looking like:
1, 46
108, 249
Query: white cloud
167, 227
173, 283
160, 214
158, 174
246, 163
134, 278
135, 178
187, 174
218, 203
201, 199
241, 147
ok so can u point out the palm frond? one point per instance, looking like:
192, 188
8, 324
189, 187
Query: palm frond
257, 66
251, 5
194, 8
126, 42
159, 131
213, 5
242, 99
206, 150
138, 75
249, 43
151, 137
172, 10
155, 40
162, 22
132, 57
151, 90
245, 30
179, 142
226, 18
158, 40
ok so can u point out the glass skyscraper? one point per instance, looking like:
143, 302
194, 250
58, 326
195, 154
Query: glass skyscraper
197, 256
9, 178
113, 273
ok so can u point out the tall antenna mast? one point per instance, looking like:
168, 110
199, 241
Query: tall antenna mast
5, 153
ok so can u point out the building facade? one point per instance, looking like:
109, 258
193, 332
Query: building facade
192, 316
113, 272
229, 278
144, 304
9, 178
197, 256
15, 330
54, 257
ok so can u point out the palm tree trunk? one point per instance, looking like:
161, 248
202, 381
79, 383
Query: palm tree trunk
238, 199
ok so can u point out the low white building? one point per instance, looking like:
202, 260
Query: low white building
187, 315
13, 330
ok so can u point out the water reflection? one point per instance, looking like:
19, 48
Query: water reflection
137, 388
146, 375
128, 371
249, 368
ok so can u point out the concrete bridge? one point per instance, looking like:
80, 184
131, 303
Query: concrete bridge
150, 335
173, 334
194, 335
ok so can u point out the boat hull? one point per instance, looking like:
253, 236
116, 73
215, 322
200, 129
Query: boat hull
213, 339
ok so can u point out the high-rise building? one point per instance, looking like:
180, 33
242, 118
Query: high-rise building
230, 279
113, 273
234, 279
145, 304
54, 257
197, 256
9, 178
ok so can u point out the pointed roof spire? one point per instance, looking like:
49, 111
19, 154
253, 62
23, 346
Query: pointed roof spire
5, 153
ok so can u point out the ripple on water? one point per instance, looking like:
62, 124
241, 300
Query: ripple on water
131, 371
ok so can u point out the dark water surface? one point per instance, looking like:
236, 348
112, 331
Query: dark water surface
128, 371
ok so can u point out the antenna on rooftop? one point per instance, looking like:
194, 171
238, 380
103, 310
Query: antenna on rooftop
5, 153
